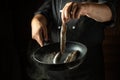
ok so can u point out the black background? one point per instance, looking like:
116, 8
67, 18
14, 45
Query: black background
15, 34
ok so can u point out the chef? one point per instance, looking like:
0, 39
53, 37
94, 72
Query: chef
86, 21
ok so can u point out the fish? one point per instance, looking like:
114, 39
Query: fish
71, 56
63, 38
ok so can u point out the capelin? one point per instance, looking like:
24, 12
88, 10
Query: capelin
72, 56
63, 38
67, 58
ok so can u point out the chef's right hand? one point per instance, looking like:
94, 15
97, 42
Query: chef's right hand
39, 29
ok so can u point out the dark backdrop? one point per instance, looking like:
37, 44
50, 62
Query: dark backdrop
15, 34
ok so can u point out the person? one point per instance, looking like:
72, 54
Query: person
86, 21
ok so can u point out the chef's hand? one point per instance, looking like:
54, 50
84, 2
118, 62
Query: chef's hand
96, 11
39, 30
71, 10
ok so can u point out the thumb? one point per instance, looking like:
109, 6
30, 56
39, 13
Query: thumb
45, 33
39, 39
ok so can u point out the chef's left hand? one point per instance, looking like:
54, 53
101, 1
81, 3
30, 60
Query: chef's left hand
72, 10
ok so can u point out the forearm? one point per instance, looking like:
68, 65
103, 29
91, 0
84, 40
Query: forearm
98, 12
45, 10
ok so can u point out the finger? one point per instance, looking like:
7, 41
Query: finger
78, 14
45, 34
73, 11
62, 17
38, 38
78, 11
65, 12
